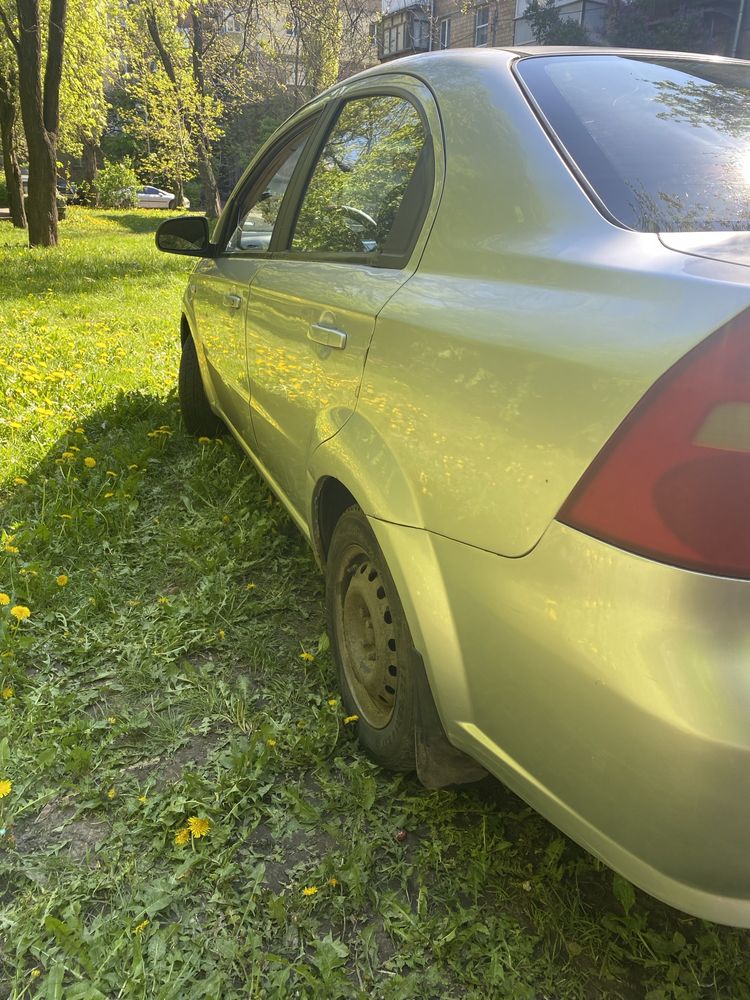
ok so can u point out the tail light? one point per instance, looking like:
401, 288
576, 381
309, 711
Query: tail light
673, 482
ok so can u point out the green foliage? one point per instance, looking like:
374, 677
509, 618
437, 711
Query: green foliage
549, 27
117, 185
632, 25
3, 193
88, 59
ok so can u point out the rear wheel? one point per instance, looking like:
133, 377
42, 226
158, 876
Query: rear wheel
371, 642
196, 412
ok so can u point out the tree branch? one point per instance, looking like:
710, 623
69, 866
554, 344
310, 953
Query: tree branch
166, 59
12, 37
54, 64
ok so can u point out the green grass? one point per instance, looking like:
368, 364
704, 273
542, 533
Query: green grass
165, 680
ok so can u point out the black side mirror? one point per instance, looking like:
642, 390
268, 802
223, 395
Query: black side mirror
188, 235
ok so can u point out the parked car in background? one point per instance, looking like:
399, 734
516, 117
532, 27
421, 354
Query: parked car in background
482, 320
154, 197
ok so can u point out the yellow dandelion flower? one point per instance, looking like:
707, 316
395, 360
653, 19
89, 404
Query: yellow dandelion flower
4, 599
141, 927
249, 586
108, 495
61, 580
271, 743
333, 702
11, 548
5, 787
226, 519
182, 836
351, 718
68, 454
74, 447
21, 481
67, 517
307, 657
309, 890
14, 424
80, 430
204, 440
333, 882
112, 793
89, 462
110, 472
36, 973
20, 612
221, 633
198, 826
6, 693
143, 799
112, 720
132, 467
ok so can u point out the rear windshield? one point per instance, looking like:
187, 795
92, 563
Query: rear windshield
665, 143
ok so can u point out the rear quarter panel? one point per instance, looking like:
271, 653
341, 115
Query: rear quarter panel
529, 331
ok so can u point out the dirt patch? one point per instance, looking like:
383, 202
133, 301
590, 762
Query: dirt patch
56, 829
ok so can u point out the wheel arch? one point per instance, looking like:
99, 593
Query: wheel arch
330, 499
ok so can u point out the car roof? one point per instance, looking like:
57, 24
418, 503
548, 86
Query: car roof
425, 64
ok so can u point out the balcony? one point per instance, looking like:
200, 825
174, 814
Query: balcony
403, 32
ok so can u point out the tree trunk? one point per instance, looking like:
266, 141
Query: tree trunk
194, 127
90, 166
13, 182
211, 198
40, 111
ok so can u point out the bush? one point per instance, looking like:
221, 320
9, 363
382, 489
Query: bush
3, 194
117, 185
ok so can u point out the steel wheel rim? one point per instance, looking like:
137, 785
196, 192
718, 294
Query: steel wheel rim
369, 642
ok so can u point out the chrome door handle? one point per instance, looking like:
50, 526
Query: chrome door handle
233, 301
328, 336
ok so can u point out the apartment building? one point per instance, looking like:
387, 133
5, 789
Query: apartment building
406, 26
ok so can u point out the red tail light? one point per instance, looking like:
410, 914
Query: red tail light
673, 482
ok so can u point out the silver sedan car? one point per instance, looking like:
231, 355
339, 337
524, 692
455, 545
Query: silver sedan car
482, 320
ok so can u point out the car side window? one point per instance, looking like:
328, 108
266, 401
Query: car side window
358, 186
259, 209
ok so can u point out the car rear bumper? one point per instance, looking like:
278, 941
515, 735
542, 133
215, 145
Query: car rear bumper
609, 691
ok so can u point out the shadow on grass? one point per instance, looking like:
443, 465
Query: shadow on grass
142, 223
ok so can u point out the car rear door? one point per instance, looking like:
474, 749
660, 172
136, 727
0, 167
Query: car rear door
353, 234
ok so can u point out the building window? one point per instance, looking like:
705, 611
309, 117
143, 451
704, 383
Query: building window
445, 33
482, 28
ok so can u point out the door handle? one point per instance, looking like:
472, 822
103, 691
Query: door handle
233, 301
328, 336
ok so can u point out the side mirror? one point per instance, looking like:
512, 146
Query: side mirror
189, 235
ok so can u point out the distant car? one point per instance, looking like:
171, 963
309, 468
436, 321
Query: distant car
482, 320
154, 197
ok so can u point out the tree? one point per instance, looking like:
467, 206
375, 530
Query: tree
319, 26
632, 25
39, 76
8, 133
83, 107
549, 27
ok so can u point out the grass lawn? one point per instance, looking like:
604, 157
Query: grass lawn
189, 816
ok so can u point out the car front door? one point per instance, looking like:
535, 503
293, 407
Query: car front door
220, 285
353, 238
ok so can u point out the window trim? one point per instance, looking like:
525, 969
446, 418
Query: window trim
478, 26
444, 23
256, 173
287, 218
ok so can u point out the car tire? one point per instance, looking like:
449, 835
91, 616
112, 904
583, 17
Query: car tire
197, 415
371, 642
172, 203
